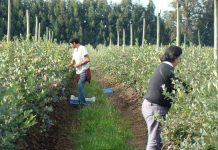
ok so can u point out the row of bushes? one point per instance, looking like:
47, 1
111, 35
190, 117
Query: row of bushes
192, 122
32, 76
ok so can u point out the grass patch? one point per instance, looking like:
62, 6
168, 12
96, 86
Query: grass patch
101, 126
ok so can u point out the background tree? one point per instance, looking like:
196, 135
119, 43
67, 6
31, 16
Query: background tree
3, 20
112, 17
190, 12
97, 18
151, 23
158, 31
137, 15
205, 23
102, 21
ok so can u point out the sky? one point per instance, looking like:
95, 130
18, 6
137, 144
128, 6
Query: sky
159, 4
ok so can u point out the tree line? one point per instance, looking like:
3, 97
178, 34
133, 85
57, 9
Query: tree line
99, 22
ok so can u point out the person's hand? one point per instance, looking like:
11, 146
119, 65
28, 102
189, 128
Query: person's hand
68, 66
77, 65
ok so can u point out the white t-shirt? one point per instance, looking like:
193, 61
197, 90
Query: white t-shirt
78, 56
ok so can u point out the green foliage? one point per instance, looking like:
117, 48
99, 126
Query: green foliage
131, 66
196, 16
192, 122
28, 71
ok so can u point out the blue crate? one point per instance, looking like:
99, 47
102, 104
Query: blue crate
107, 90
75, 101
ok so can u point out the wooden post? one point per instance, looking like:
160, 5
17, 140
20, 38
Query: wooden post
143, 33
158, 31
49, 35
216, 32
39, 32
124, 37
199, 39
36, 29
52, 36
118, 38
27, 25
178, 25
9, 21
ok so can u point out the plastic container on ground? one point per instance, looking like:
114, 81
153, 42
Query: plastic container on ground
75, 101
107, 90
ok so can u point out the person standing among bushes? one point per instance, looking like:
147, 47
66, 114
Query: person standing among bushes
80, 61
155, 102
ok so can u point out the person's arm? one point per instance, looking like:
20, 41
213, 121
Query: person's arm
72, 63
185, 85
85, 61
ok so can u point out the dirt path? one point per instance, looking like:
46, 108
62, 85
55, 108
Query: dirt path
129, 104
58, 136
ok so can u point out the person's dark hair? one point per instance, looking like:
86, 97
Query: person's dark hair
171, 53
76, 40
